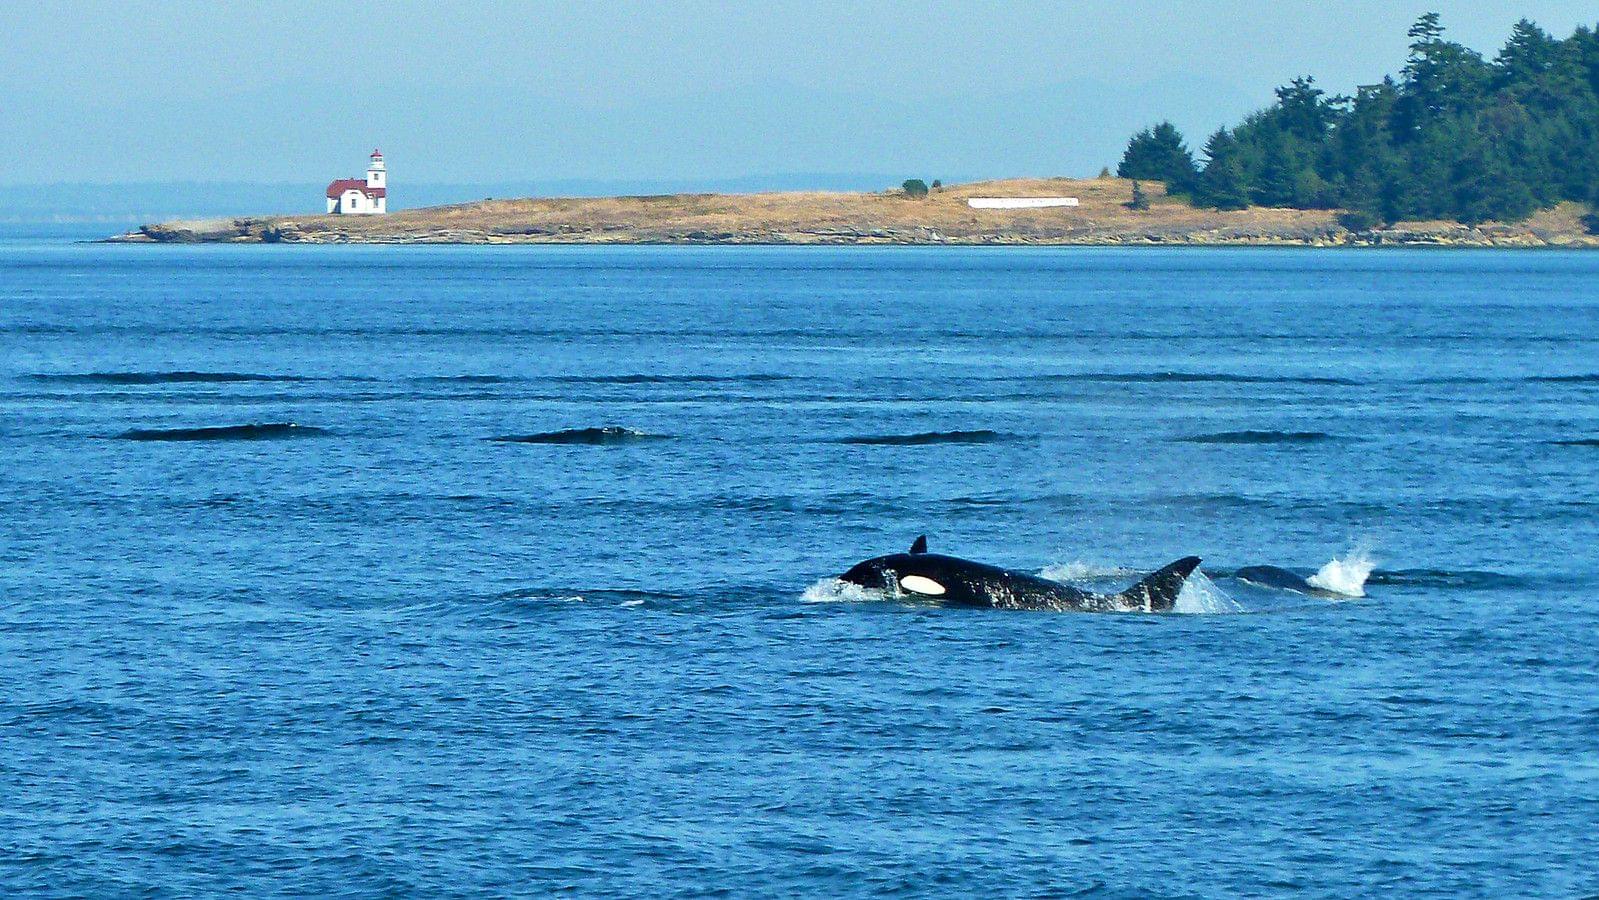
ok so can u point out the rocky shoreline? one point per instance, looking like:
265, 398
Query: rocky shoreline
1103, 219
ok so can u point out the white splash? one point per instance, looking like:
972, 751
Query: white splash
1201, 596
1346, 575
833, 590
533, 596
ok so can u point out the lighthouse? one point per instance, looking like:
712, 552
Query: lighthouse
354, 197
375, 175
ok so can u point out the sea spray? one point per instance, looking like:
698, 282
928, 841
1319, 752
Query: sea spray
1346, 575
1201, 596
1078, 570
835, 590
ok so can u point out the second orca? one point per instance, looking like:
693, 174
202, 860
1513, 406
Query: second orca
1281, 579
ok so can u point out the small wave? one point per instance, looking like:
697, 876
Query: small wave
1566, 379
1466, 579
466, 379
669, 379
981, 502
1577, 442
261, 431
1346, 575
1259, 437
1202, 377
1453, 379
609, 434
183, 377
622, 597
981, 436
602, 379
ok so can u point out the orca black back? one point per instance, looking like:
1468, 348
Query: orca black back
963, 582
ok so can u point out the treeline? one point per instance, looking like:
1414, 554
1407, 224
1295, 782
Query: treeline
1455, 137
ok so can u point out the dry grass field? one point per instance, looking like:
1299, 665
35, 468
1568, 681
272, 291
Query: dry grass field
887, 217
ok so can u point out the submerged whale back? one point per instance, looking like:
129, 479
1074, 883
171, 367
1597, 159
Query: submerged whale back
1281, 579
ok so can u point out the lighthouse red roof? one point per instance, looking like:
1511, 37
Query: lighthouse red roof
337, 188
377, 152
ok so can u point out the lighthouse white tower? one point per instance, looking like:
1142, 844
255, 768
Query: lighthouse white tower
375, 174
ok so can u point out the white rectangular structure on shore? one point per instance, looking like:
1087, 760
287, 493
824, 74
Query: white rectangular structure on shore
1019, 202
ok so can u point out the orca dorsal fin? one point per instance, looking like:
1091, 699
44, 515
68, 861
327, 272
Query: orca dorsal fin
919, 545
1158, 592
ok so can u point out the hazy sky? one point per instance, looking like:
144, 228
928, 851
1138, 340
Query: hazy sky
486, 92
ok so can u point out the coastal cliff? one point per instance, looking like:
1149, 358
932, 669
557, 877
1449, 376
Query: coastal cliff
943, 217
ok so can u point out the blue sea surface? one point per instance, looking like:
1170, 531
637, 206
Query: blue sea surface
382, 653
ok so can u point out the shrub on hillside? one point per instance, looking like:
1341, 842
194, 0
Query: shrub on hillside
1140, 199
1359, 220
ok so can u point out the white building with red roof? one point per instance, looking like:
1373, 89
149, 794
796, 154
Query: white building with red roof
357, 197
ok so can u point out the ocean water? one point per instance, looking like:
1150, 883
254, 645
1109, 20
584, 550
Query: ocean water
280, 615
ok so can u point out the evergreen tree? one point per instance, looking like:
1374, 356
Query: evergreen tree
1584, 47
1528, 54
1279, 172
1159, 154
1442, 74
1302, 111
1454, 137
1225, 183
1140, 199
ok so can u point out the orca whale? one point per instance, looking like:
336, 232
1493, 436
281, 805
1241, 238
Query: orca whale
961, 582
1281, 579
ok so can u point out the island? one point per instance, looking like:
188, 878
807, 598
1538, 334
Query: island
1456, 151
1107, 213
